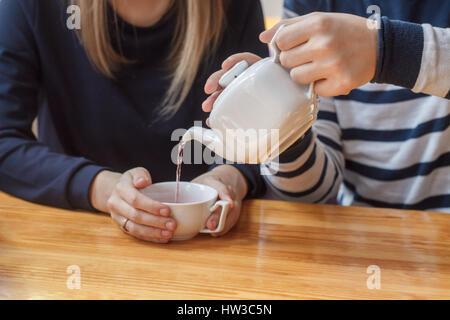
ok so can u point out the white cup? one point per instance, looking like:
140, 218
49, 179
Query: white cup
195, 204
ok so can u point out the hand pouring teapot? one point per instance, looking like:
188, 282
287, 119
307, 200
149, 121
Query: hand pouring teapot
260, 113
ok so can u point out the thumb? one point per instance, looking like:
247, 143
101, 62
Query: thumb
141, 177
213, 221
226, 194
266, 36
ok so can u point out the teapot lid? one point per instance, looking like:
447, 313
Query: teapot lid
233, 73
241, 66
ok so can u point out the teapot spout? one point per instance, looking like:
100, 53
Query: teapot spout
206, 137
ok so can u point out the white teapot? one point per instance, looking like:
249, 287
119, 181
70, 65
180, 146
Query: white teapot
260, 113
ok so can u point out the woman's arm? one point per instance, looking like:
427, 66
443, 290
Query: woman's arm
29, 169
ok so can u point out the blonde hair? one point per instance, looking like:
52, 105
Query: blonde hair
200, 24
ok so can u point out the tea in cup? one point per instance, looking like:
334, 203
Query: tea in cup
195, 204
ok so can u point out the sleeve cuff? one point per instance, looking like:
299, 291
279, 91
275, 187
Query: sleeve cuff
297, 149
79, 187
400, 48
255, 182
252, 174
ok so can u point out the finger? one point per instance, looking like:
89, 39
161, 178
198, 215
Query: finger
266, 36
222, 190
238, 57
307, 73
231, 193
119, 220
293, 35
296, 56
329, 88
225, 193
213, 221
143, 232
138, 200
141, 177
212, 84
141, 217
230, 222
208, 104
147, 233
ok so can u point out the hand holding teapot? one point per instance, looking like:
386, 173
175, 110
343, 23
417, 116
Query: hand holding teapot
259, 113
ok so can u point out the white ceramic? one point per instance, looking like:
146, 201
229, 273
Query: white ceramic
196, 203
258, 103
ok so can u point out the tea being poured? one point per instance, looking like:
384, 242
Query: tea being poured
257, 98
260, 99
179, 162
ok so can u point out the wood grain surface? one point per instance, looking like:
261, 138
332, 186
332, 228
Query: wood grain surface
278, 250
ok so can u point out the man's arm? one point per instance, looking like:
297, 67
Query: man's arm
401, 53
414, 56
311, 169
434, 75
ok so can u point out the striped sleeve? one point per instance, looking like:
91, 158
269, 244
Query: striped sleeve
311, 170
414, 56
434, 75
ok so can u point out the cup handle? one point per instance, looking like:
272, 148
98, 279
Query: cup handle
223, 216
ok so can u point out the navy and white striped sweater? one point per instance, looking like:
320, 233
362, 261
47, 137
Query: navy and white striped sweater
382, 145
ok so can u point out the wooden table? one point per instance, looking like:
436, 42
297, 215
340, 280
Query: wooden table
278, 250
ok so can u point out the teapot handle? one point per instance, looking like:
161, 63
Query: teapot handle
276, 58
273, 44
